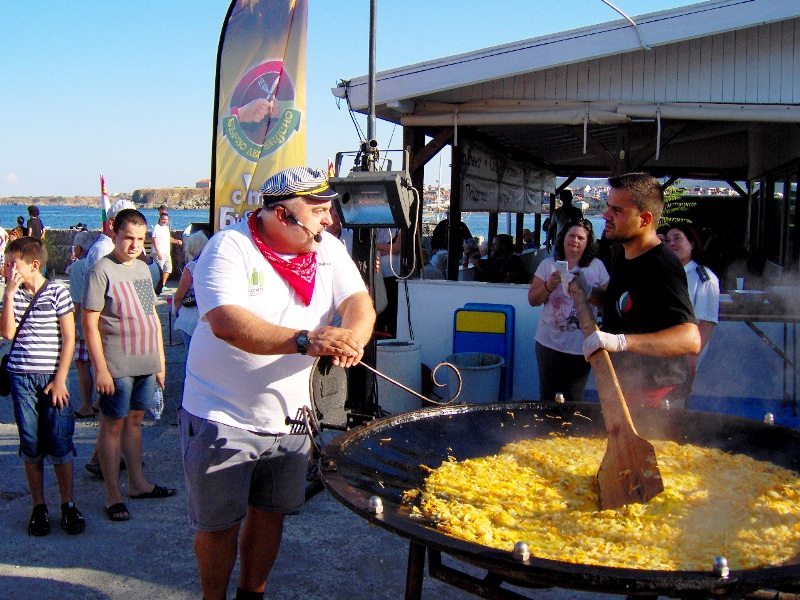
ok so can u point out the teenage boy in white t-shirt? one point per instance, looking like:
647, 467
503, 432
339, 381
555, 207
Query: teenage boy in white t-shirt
162, 246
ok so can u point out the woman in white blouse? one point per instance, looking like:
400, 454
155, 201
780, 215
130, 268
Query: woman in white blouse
683, 240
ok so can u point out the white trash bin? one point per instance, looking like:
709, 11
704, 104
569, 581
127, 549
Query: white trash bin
402, 362
480, 376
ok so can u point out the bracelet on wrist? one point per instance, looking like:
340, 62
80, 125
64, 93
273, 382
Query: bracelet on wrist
549, 291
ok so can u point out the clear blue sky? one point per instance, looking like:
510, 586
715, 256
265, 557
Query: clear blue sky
126, 88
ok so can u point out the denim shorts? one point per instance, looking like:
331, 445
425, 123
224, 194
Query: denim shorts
130, 393
228, 469
43, 429
81, 352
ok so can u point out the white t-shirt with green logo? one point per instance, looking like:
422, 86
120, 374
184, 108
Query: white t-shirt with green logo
250, 391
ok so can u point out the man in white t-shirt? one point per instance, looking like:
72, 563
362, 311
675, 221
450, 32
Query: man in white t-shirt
267, 289
162, 246
104, 245
77, 278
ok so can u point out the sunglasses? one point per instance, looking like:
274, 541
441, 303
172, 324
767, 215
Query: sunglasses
585, 223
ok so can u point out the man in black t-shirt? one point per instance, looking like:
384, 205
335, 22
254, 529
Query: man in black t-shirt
648, 320
566, 213
34, 224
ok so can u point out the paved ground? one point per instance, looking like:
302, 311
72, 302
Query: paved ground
328, 552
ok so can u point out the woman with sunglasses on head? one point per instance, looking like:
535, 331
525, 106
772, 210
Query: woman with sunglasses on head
559, 340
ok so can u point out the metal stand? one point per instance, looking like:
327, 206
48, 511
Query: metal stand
362, 390
488, 587
169, 324
787, 353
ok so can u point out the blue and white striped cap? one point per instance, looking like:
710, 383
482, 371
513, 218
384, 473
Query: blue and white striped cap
296, 181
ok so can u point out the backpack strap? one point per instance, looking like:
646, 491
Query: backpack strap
26, 313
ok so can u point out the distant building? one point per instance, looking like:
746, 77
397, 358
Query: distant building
203, 183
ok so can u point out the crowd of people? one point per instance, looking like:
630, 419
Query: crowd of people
631, 310
33, 227
259, 301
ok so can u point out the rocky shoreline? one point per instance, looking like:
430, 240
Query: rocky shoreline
176, 198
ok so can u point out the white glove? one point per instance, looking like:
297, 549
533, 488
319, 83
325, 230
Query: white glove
613, 342
577, 273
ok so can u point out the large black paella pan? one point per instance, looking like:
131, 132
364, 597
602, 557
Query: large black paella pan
386, 457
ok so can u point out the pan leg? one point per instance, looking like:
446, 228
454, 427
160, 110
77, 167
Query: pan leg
415, 572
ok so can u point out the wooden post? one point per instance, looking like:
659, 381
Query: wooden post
455, 245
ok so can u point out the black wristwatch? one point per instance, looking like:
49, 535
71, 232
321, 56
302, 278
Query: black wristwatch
301, 339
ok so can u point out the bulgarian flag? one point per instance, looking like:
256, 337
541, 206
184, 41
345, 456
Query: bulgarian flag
104, 203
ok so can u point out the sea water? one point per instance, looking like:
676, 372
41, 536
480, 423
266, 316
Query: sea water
63, 217
478, 224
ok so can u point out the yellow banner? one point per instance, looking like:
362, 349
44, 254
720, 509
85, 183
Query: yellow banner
260, 125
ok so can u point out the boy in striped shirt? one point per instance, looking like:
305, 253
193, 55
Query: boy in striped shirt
39, 364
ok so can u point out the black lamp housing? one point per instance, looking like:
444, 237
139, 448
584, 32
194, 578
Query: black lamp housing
374, 199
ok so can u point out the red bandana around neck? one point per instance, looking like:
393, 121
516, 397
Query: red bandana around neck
299, 272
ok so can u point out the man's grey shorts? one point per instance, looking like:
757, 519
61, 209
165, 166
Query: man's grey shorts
228, 469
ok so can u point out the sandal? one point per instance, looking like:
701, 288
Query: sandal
94, 468
157, 492
40, 521
72, 520
118, 512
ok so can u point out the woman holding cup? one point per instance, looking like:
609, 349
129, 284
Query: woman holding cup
559, 340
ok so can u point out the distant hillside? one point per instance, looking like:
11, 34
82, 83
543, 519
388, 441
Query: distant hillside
686, 183
172, 197
192, 198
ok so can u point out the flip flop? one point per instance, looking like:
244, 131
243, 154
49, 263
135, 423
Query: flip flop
78, 415
157, 492
94, 468
115, 511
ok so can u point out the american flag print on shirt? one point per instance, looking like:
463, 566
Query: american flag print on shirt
137, 324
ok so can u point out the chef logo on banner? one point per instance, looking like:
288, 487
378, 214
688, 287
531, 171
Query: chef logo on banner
261, 118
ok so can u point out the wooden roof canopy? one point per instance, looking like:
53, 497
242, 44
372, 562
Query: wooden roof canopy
706, 91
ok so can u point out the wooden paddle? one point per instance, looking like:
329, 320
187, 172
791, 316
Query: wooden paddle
629, 472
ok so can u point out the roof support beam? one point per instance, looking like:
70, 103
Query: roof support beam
623, 157
672, 179
455, 246
668, 134
432, 148
414, 143
736, 188
596, 148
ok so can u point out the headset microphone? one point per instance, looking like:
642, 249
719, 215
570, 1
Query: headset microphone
292, 219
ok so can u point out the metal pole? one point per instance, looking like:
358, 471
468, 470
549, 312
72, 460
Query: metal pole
362, 389
373, 11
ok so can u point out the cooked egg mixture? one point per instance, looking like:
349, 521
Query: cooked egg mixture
544, 492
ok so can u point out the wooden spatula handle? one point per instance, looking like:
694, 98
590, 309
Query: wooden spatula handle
615, 409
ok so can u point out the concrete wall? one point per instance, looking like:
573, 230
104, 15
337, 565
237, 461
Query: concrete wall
59, 250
